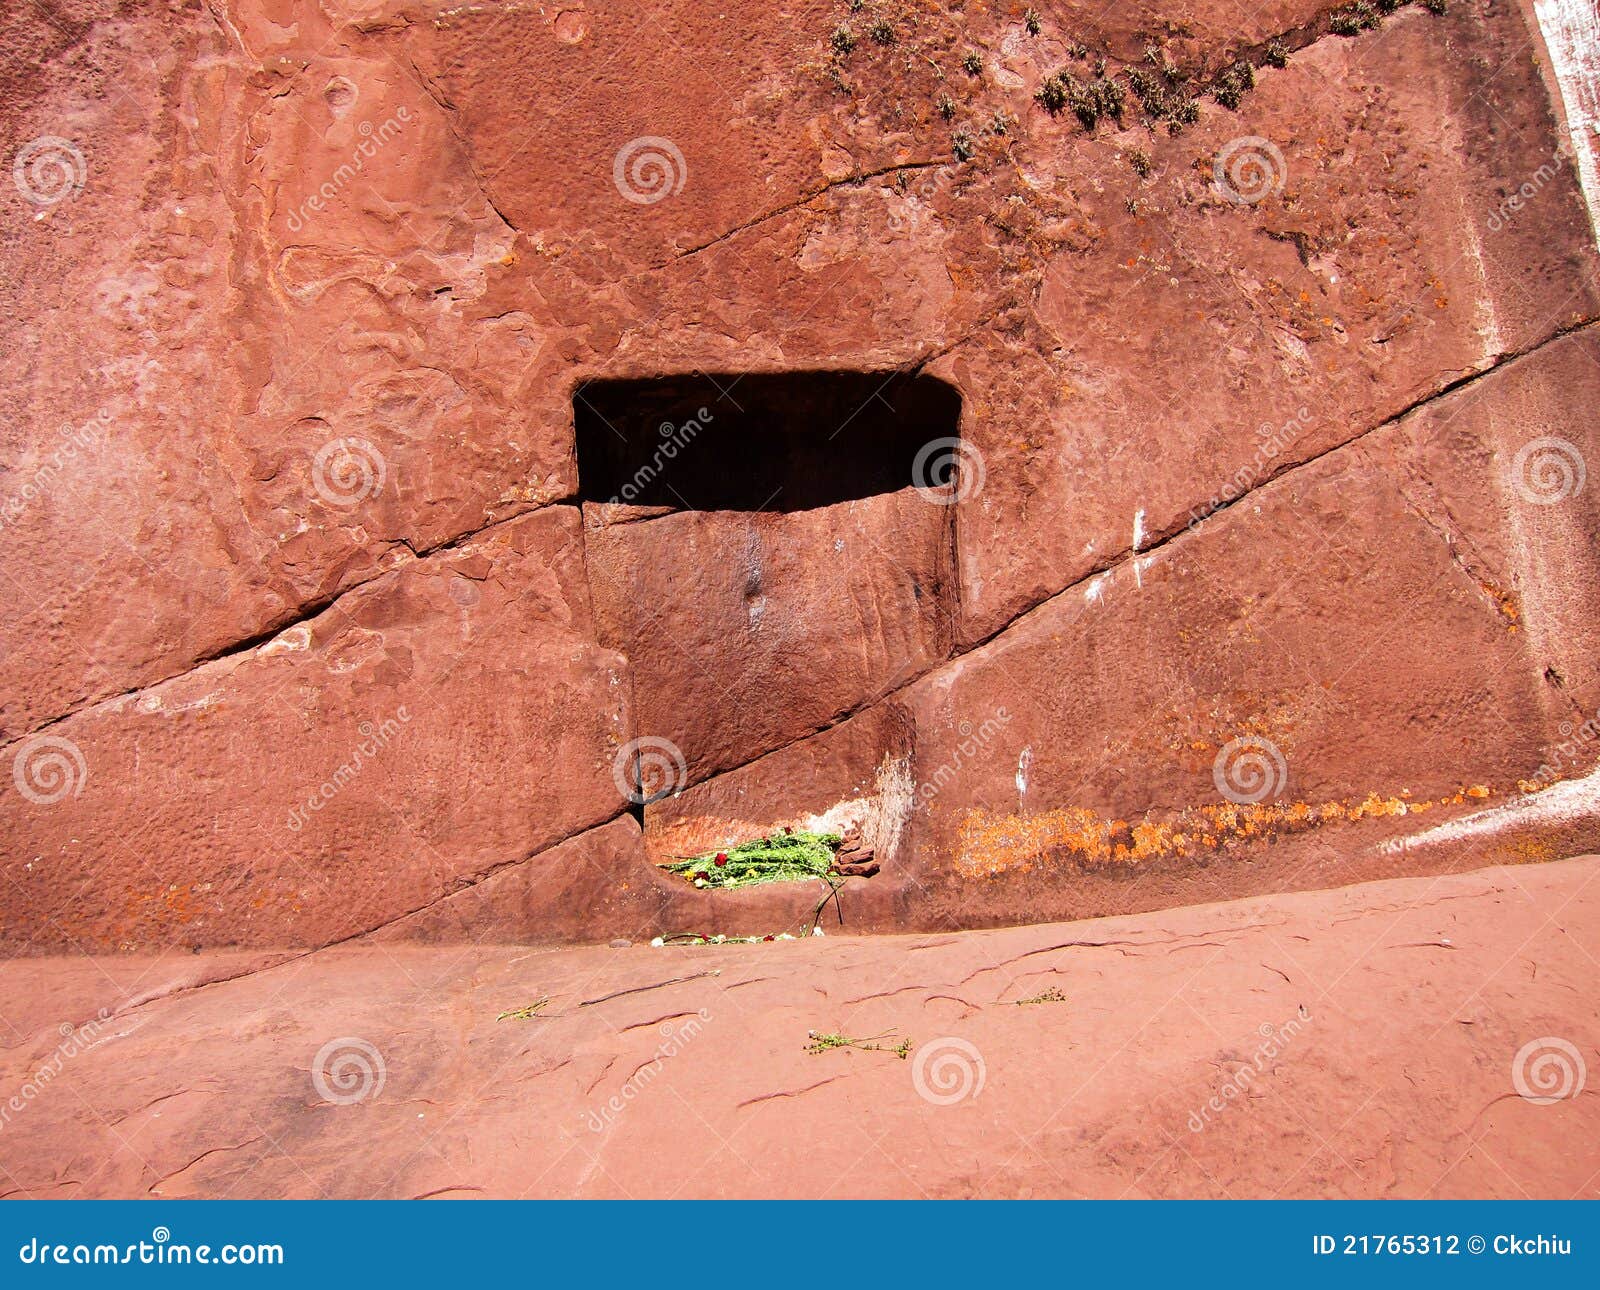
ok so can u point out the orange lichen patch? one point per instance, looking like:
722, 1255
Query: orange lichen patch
1531, 851
1194, 735
141, 916
1504, 601
990, 843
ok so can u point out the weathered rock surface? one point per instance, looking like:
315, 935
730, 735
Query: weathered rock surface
1273, 427
748, 632
1370, 1042
323, 784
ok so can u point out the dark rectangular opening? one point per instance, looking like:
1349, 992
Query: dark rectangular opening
729, 442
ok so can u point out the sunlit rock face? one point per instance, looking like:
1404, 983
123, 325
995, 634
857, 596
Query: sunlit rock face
1104, 461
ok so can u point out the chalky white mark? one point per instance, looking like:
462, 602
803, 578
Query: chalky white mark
1138, 537
1095, 591
1024, 762
1571, 31
880, 816
1565, 803
297, 637
1468, 221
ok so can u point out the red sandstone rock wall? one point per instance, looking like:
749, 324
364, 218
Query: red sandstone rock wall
1272, 431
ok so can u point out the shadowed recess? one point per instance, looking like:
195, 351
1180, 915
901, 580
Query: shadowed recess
785, 442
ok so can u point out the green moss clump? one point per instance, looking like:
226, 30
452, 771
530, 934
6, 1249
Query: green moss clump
782, 857
1052, 95
1089, 100
1233, 84
1150, 92
1354, 19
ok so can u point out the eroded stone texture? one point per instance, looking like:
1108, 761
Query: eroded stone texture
747, 632
267, 303
299, 351
326, 783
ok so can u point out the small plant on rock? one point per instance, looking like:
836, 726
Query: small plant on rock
1354, 19
1231, 86
1275, 54
1158, 59
843, 39
827, 1041
530, 1013
961, 145
1150, 92
882, 32
1436, 6
1139, 159
946, 106
1030, 20
972, 63
1109, 97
